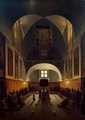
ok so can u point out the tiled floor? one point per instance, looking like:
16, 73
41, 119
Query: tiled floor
44, 110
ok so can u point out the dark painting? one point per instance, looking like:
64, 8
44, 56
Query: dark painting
76, 61
2, 40
70, 64
10, 62
83, 55
16, 65
21, 68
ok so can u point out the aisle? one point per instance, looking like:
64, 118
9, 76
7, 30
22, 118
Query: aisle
43, 110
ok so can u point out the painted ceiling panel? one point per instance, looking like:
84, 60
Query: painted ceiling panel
57, 42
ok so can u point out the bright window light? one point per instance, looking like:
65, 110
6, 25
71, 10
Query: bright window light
45, 75
45, 71
42, 71
42, 75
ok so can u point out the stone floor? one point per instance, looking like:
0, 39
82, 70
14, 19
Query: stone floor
43, 110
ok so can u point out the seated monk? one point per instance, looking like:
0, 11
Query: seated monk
64, 103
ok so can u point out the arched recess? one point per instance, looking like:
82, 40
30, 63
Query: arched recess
61, 23
44, 66
63, 38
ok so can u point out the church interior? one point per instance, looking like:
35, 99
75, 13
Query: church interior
42, 59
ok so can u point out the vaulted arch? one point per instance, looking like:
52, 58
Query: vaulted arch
44, 66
